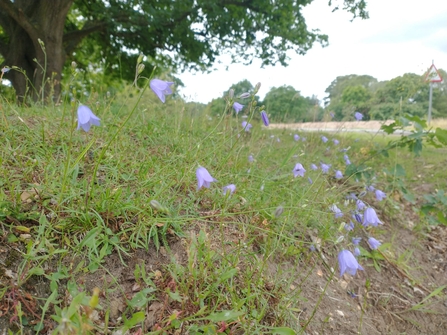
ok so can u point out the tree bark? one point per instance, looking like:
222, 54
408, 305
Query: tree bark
36, 29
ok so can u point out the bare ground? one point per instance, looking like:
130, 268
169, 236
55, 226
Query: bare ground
333, 126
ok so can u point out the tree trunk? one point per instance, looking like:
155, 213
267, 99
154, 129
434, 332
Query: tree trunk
36, 29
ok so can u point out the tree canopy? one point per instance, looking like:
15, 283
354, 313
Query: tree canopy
39, 36
384, 100
285, 104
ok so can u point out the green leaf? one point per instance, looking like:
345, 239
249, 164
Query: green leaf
283, 331
141, 298
90, 237
410, 197
175, 296
441, 218
36, 271
441, 135
134, 320
416, 146
398, 171
389, 129
224, 316
227, 275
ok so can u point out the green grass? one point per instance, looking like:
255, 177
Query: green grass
70, 200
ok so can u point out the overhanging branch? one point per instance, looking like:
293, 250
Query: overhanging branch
73, 38
22, 20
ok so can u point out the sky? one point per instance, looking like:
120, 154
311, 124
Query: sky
400, 36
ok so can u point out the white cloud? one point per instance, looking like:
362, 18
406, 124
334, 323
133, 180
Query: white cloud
401, 36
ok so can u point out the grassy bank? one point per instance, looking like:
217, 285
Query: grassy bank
106, 232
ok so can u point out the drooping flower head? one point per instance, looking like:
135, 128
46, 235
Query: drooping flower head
161, 88
229, 189
324, 139
298, 170
296, 137
86, 118
278, 211
373, 243
250, 158
313, 167
336, 142
380, 195
237, 107
203, 178
370, 217
310, 180
356, 240
346, 158
265, 118
348, 263
362, 194
337, 212
338, 174
325, 167
351, 196
349, 226
360, 204
331, 114
246, 126
358, 116
370, 188
357, 252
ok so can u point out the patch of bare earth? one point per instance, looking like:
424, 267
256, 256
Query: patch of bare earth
333, 126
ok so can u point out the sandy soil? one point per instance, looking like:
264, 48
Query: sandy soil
360, 126
333, 126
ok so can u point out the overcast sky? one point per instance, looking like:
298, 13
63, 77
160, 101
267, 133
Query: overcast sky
400, 36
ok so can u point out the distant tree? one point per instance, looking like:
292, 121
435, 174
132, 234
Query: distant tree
337, 87
356, 99
384, 100
400, 95
285, 104
348, 94
39, 36
409, 87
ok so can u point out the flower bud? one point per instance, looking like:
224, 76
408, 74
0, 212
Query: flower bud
140, 58
257, 87
339, 239
42, 44
157, 206
231, 93
278, 211
140, 68
244, 95
73, 65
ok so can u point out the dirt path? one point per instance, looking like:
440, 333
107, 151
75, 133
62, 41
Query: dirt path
351, 126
